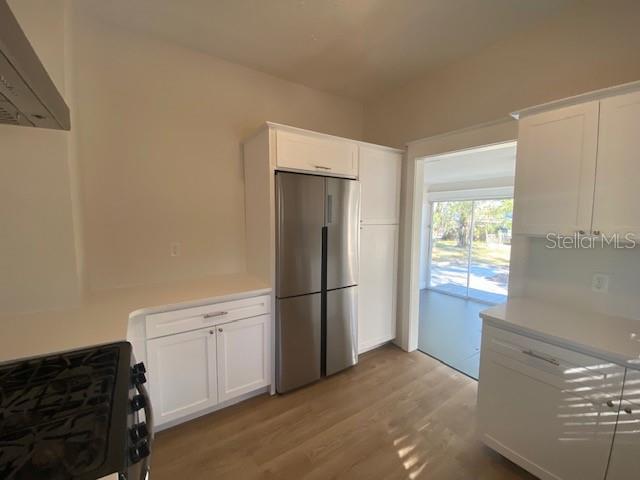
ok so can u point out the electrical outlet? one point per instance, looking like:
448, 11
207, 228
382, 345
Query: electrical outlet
600, 282
176, 249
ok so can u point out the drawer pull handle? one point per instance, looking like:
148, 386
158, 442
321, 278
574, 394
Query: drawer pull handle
214, 314
533, 354
322, 167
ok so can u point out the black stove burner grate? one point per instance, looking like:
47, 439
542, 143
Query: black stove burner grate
55, 414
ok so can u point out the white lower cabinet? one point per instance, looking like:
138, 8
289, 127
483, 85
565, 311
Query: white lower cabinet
243, 352
196, 371
377, 285
551, 410
625, 453
182, 374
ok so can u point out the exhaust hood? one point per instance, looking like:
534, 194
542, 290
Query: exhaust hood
28, 96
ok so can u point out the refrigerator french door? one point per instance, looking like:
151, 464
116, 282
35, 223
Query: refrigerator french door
317, 238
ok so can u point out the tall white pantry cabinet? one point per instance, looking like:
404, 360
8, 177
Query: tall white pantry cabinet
379, 226
280, 147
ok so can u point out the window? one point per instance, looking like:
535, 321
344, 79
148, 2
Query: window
470, 248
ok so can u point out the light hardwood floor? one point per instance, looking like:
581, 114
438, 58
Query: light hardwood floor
395, 415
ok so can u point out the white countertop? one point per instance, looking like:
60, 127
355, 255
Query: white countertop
611, 338
103, 317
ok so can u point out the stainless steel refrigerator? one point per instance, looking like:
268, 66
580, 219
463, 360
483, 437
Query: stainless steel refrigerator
317, 236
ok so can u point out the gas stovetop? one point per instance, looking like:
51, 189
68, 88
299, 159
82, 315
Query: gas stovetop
60, 414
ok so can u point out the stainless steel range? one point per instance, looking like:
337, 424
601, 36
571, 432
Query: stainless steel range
82, 414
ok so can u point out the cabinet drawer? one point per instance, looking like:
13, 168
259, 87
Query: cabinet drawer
568, 370
176, 321
326, 156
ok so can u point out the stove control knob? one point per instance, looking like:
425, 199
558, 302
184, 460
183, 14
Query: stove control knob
138, 402
138, 378
138, 432
139, 368
143, 449
134, 455
138, 453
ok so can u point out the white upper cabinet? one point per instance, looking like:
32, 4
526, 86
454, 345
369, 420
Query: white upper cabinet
617, 194
308, 152
555, 171
380, 178
578, 166
243, 351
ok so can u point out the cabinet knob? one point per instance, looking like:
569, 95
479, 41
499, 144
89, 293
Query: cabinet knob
219, 329
628, 411
581, 232
596, 232
609, 404
212, 332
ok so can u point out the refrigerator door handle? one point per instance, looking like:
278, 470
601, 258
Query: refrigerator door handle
329, 209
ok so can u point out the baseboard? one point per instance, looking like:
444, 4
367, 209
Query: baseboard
215, 408
516, 458
373, 345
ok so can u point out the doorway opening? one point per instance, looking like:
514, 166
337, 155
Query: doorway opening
466, 225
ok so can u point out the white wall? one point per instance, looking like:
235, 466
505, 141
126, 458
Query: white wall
153, 157
160, 128
564, 276
592, 46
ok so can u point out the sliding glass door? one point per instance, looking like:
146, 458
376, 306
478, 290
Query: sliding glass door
470, 248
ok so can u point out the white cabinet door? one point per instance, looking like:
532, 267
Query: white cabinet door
555, 171
243, 356
546, 408
380, 181
617, 195
377, 285
182, 374
306, 152
625, 454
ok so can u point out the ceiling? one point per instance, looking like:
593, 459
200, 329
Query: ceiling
352, 48
483, 163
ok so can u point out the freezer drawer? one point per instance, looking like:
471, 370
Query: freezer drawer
343, 232
342, 325
300, 219
298, 325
